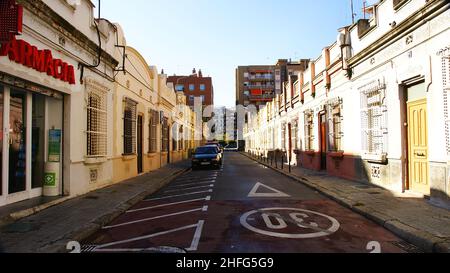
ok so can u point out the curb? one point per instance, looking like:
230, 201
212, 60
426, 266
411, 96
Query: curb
15, 216
426, 241
59, 246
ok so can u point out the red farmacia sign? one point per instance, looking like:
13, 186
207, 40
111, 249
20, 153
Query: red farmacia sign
40, 60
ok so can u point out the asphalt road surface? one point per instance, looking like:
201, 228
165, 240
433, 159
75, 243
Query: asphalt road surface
242, 208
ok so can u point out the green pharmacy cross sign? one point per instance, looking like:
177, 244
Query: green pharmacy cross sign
50, 180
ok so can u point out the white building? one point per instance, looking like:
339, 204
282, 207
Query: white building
55, 87
373, 107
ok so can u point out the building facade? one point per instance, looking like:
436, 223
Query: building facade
255, 84
46, 78
79, 109
373, 106
194, 86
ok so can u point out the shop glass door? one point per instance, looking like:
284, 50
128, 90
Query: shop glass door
17, 142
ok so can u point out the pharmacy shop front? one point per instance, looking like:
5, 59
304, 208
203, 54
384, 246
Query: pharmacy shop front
32, 123
31, 146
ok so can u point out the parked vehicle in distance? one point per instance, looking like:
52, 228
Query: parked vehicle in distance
231, 148
215, 144
207, 156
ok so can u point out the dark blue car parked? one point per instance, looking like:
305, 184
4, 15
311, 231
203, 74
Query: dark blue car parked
207, 156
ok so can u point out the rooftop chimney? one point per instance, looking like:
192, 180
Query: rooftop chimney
200, 74
194, 71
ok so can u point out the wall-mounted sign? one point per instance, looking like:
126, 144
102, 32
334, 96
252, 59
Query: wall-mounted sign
22, 52
11, 16
54, 145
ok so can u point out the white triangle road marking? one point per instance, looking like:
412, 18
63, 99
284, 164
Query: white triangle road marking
275, 193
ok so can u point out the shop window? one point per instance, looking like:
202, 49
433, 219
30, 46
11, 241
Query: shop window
309, 131
374, 119
165, 135
153, 123
96, 123
129, 127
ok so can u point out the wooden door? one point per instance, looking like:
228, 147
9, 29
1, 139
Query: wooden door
418, 146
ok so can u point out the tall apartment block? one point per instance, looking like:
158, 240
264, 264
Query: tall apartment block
194, 86
255, 84
258, 84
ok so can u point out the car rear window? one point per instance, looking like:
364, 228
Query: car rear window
206, 150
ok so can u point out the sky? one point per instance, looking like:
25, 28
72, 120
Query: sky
217, 36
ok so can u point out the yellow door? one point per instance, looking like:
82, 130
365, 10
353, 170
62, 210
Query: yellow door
418, 147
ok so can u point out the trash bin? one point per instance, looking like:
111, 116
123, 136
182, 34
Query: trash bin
51, 179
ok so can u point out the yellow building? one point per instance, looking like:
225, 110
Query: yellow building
146, 130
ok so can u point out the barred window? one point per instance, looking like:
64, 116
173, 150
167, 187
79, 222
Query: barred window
175, 137
153, 123
165, 135
309, 133
374, 118
180, 138
96, 132
335, 127
294, 134
446, 91
129, 127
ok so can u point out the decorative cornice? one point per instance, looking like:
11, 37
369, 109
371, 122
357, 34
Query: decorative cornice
53, 19
414, 21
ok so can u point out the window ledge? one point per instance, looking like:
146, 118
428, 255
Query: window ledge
375, 158
310, 153
152, 154
336, 155
128, 157
95, 160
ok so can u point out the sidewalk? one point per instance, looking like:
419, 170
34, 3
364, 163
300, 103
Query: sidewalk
409, 217
51, 229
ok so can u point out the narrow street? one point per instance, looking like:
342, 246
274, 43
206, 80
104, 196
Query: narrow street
242, 208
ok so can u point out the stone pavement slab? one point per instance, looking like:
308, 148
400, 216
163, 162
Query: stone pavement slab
51, 229
411, 218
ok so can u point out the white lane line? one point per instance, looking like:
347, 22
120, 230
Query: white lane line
191, 188
208, 198
197, 236
147, 236
179, 195
195, 180
192, 184
205, 208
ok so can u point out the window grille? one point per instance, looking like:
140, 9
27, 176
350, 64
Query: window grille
180, 138
96, 129
129, 127
154, 120
294, 134
335, 125
374, 118
165, 135
309, 130
446, 91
